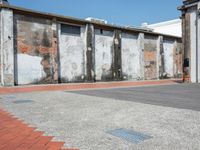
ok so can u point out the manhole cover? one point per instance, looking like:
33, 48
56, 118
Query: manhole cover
131, 136
23, 101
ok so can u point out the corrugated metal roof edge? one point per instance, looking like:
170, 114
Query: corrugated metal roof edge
81, 21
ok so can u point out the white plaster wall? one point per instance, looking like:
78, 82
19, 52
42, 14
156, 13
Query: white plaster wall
0, 52
173, 27
72, 56
198, 34
130, 57
193, 46
168, 46
7, 47
103, 53
30, 69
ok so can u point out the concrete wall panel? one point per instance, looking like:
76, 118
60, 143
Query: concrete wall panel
193, 31
198, 49
150, 57
36, 49
72, 56
103, 54
178, 60
130, 57
7, 48
168, 47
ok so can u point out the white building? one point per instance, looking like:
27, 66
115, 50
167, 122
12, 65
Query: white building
172, 27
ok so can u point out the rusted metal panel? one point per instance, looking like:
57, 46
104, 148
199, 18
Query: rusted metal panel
150, 57
130, 57
72, 50
36, 46
103, 55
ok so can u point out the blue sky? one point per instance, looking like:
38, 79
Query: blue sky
122, 12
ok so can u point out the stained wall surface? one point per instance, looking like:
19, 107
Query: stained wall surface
150, 57
191, 44
130, 57
36, 56
72, 52
168, 47
103, 54
7, 48
45, 51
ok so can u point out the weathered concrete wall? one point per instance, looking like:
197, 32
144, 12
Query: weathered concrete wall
117, 56
178, 59
168, 47
131, 57
36, 45
1, 78
193, 34
103, 54
54, 50
150, 57
72, 51
90, 53
198, 45
191, 44
7, 48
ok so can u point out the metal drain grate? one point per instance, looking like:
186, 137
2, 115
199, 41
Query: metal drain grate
131, 136
23, 101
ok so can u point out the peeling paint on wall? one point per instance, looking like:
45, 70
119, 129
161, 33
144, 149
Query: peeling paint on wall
178, 60
35, 37
49, 51
150, 57
103, 54
168, 47
73, 56
130, 57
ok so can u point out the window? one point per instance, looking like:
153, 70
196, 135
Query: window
70, 29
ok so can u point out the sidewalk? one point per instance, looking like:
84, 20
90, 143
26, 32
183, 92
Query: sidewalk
16, 135
84, 86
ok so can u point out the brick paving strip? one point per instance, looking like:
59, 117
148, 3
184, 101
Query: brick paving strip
80, 86
17, 135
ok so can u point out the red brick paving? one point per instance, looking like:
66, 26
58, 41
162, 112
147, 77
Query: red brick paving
79, 86
16, 135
